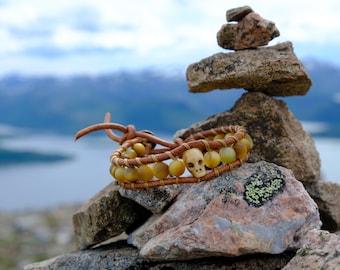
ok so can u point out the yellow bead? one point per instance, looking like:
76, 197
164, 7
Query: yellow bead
240, 149
247, 137
139, 149
145, 173
129, 153
131, 174
212, 159
176, 167
229, 134
227, 154
219, 137
246, 143
120, 174
160, 170
113, 169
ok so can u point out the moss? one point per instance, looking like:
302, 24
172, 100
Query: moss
263, 185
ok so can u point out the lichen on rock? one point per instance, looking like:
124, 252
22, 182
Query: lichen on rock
263, 185
214, 218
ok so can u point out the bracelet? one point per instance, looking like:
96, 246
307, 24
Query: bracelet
138, 163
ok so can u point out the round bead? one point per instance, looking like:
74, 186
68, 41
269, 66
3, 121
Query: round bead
227, 154
160, 170
139, 149
176, 167
120, 174
129, 153
212, 159
240, 149
145, 173
131, 174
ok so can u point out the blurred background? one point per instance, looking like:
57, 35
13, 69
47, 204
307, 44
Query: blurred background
64, 64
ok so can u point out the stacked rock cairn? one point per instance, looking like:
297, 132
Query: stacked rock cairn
261, 209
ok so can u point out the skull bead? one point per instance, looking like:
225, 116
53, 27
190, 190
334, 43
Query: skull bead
194, 162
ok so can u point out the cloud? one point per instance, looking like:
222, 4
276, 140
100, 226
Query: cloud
149, 32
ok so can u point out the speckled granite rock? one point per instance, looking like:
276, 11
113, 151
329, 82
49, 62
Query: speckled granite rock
121, 256
278, 136
104, 216
250, 32
273, 70
237, 14
320, 250
257, 208
154, 199
327, 197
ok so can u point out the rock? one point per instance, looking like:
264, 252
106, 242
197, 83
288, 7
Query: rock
327, 197
257, 208
320, 250
273, 70
237, 14
118, 256
154, 199
104, 216
124, 257
251, 32
278, 136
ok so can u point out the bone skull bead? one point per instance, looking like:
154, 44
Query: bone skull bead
194, 162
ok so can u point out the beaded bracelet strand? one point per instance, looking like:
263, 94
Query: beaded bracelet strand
205, 155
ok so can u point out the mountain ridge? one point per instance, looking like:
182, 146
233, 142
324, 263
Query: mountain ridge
149, 100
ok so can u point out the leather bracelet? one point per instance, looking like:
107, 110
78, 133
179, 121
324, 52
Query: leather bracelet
205, 155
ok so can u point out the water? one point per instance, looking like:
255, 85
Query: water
329, 149
44, 185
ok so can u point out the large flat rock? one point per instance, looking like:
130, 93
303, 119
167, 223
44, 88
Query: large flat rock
273, 70
257, 208
120, 256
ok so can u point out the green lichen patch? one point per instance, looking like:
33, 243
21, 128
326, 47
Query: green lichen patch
263, 185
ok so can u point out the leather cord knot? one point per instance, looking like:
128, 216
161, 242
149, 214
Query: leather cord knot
128, 135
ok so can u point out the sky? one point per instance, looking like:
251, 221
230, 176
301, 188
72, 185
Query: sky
67, 37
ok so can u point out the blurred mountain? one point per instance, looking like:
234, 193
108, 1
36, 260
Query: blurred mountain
322, 102
147, 99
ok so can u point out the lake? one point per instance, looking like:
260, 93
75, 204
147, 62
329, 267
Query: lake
43, 185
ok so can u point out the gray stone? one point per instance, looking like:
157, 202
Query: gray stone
120, 256
257, 208
104, 216
237, 14
327, 197
154, 199
249, 33
320, 250
278, 136
273, 70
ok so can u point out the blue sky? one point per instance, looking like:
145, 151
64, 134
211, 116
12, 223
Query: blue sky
66, 37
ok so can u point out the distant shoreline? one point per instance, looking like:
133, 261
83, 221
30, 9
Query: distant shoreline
13, 157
